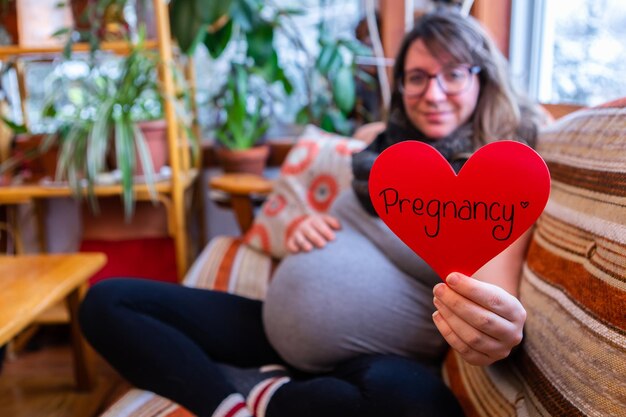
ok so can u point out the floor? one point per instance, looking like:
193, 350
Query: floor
38, 381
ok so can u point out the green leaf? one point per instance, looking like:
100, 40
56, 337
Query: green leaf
336, 62
186, 26
269, 71
302, 117
261, 43
209, 11
285, 81
49, 110
327, 123
241, 85
47, 142
16, 128
272, 72
292, 11
243, 13
60, 32
125, 157
344, 90
366, 77
98, 138
145, 158
67, 49
323, 59
217, 42
356, 47
335, 121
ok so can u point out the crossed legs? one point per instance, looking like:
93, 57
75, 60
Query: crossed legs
169, 339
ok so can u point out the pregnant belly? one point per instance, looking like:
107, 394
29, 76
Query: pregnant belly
321, 310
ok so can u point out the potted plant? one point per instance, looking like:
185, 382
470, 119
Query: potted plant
241, 123
102, 130
244, 102
95, 21
328, 74
330, 84
21, 151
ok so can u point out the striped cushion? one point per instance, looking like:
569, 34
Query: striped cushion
138, 403
573, 358
228, 264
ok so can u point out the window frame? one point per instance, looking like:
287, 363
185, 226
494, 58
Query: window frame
532, 48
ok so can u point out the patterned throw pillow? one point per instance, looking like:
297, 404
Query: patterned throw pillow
315, 171
572, 360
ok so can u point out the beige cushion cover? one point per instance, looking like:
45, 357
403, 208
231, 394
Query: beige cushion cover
316, 170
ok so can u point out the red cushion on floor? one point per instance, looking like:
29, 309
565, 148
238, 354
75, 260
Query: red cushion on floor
151, 258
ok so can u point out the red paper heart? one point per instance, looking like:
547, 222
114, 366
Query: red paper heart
459, 222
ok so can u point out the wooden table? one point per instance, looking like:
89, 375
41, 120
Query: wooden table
30, 284
241, 190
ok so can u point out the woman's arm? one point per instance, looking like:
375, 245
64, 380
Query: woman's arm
480, 316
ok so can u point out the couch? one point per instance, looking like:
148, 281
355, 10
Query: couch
572, 361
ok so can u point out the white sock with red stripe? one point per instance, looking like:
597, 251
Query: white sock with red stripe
233, 406
261, 394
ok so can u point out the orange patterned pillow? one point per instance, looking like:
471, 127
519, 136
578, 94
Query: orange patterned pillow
315, 171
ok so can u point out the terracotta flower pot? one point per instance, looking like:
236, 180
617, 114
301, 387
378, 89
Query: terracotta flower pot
251, 161
40, 166
8, 20
79, 13
155, 132
5, 179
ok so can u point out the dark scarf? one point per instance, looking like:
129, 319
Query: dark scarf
456, 148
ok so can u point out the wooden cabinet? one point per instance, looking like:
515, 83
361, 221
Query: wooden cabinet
179, 191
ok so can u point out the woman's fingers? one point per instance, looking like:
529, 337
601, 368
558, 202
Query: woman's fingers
320, 230
478, 318
470, 355
331, 221
297, 242
476, 315
471, 336
315, 231
489, 296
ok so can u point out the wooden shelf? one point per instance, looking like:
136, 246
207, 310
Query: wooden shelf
171, 192
121, 47
21, 192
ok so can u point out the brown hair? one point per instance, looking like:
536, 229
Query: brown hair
500, 113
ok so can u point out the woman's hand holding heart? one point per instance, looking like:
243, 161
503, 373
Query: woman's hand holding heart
479, 320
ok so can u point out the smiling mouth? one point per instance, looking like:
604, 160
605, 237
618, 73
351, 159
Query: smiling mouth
435, 115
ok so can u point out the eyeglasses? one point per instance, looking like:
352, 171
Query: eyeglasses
452, 80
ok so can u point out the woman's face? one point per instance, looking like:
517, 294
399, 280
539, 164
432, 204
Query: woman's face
435, 113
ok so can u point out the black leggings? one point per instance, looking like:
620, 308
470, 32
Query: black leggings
167, 338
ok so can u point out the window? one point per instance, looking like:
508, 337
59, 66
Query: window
569, 51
